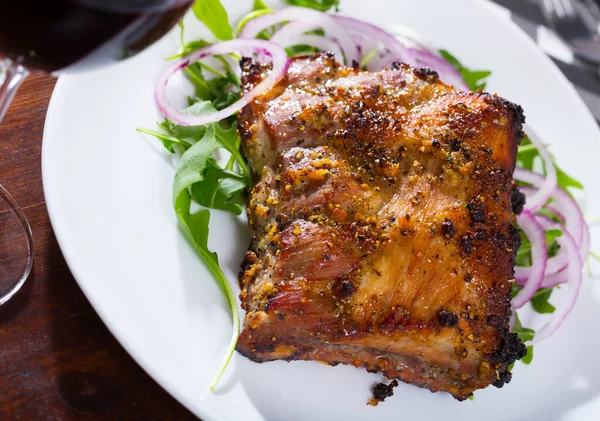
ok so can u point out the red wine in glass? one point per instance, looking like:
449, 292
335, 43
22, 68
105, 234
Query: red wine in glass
51, 35
58, 36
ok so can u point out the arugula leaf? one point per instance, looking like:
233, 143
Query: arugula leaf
197, 160
552, 234
198, 176
473, 78
524, 252
540, 301
259, 5
214, 16
218, 188
193, 163
229, 140
225, 100
195, 228
167, 141
254, 14
258, 9
187, 48
220, 91
299, 49
322, 5
514, 290
525, 334
548, 213
526, 155
565, 181
189, 132
529, 356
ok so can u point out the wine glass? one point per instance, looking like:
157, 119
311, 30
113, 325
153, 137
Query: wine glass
64, 36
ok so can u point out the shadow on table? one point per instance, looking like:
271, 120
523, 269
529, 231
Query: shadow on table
93, 376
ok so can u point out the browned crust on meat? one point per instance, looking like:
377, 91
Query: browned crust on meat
382, 224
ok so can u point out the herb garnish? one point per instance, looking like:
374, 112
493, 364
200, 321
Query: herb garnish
214, 16
473, 78
322, 5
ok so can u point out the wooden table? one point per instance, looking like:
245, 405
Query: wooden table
57, 359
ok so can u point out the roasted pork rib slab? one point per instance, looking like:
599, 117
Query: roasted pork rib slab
382, 227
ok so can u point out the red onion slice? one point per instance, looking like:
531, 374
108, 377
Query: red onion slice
555, 264
575, 280
539, 256
551, 208
562, 277
294, 33
277, 54
566, 209
550, 181
563, 204
318, 19
398, 51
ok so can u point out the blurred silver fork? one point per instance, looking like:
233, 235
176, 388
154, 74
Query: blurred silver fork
574, 23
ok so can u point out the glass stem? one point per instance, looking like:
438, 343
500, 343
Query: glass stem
12, 75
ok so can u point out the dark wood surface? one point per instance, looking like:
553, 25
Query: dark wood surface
57, 359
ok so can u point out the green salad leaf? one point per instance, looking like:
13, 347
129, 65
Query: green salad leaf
218, 189
200, 178
526, 154
259, 5
475, 79
195, 228
258, 9
214, 16
540, 301
189, 132
524, 252
526, 157
167, 141
525, 334
220, 90
529, 356
321, 5
565, 180
212, 186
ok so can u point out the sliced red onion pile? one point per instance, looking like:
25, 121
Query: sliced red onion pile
539, 257
313, 20
352, 40
349, 39
277, 55
566, 266
536, 201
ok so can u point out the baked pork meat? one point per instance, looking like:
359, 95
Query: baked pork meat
382, 227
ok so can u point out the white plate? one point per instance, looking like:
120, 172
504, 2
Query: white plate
108, 191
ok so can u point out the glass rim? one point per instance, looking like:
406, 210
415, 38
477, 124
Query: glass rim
18, 212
